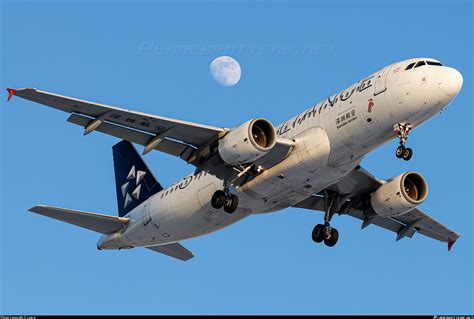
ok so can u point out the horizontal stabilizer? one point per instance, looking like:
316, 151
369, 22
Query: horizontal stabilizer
100, 223
173, 250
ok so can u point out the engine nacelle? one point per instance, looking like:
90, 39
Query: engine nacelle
400, 195
247, 142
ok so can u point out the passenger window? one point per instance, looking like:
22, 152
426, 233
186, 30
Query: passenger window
421, 63
433, 63
410, 66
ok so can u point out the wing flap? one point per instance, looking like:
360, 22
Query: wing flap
387, 223
174, 250
134, 136
428, 226
97, 222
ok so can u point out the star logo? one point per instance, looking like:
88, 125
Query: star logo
134, 176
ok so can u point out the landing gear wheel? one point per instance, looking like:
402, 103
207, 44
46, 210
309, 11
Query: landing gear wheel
218, 199
400, 151
407, 154
319, 233
231, 203
333, 237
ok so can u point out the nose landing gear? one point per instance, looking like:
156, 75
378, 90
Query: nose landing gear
402, 131
404, 152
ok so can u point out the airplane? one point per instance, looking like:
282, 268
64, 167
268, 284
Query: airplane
312, 161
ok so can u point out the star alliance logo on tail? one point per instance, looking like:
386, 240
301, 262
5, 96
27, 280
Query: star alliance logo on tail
133, 175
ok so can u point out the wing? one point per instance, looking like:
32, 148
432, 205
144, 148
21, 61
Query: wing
175, 250
355, 189
100, 223
190, 133
194, 143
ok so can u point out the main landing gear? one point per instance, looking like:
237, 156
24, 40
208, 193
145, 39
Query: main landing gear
402, 131
325, 232
222, 198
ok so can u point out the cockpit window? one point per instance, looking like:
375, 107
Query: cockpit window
410, 66
421, 63
433, 63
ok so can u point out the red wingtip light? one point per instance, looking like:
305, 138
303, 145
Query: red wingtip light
11, 92
450, 244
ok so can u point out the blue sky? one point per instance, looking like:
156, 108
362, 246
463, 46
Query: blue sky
154, 57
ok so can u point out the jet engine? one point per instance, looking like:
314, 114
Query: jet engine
247, 142
400, 195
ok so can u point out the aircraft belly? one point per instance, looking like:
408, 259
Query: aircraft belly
288, 195
270, 195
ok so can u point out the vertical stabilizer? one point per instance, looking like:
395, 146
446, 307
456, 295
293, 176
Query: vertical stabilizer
134, 182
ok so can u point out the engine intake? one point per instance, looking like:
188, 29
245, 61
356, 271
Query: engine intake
400, 195
247, 142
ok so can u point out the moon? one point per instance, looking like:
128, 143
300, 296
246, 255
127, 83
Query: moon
225, 70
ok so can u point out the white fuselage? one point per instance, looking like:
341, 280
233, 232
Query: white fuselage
331, 139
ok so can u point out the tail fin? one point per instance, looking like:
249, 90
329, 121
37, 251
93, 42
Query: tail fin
134, 182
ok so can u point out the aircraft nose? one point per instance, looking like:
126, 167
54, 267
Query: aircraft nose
451, 82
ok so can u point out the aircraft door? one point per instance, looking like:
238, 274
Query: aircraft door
380, 85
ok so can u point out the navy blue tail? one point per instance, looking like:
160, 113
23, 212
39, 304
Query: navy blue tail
134, 182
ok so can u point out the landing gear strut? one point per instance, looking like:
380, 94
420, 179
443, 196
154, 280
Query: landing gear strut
223, 198
402, 131
325, 232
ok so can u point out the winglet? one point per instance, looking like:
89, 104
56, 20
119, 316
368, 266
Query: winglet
450, 244
11, 92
